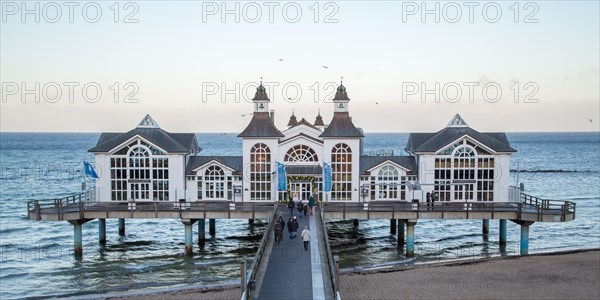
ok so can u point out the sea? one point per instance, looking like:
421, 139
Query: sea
36, 259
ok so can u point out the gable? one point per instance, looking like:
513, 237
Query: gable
466, 139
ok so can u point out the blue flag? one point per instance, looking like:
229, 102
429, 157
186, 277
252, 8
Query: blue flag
281, 177
89, 170
326, 177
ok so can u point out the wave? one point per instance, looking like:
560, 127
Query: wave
553, 171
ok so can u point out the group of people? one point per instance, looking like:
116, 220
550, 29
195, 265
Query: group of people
292, 225
431, 198
302, 206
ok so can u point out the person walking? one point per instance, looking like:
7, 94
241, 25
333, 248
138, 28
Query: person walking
291, 227
282, 222
306, 237
278, 230
291, 207
311, 203
294, 227
300, 207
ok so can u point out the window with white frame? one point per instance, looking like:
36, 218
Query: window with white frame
341, 167
260, 172
301, 153
464, 172
214, 183
485, 179
139, 171
387, 183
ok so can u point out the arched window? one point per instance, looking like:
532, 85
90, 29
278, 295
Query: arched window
463, 169
214, 183
301, 153
388, 180
139, 172
260, 172
341, 167
464, 172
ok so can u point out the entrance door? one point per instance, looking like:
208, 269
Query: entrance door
139, 191
300, 190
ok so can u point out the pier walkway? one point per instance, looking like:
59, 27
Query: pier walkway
289, 271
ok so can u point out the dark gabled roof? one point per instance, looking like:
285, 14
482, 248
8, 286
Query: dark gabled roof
187, 140
304, 122
234, 162
368, 162
303, 170
172, 143
302, 134
433, 142
341, 126
261, 125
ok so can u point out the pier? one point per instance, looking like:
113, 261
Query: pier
286, 265
403, 215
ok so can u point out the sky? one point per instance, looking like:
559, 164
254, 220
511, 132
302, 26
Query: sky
194, 66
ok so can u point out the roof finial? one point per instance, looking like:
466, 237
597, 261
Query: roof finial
260, 80
293, 111
341, 79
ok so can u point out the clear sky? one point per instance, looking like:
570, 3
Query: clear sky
194, 65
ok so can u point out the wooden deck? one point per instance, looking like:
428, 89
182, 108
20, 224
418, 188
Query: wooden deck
531, 209
81, 207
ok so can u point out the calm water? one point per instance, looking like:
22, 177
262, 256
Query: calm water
36, 259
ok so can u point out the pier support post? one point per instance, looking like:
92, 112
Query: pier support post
121, 227
188, 235
400, 233
502, 233
251, 221
211, 227
486, 226
77, 237
410, 237
393, 226
102, 231
201, 232
355, 222
525, 237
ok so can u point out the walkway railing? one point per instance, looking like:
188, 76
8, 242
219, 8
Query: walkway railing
332, 261
527, 205
249, 276
80, 204
546, 206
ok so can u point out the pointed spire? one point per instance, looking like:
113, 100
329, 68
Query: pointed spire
261, 93
457, 121
293, 121
148, 122
319, 120
341, 92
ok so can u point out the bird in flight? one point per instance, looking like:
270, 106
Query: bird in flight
590, 120
325, 67
246, 114
280, 59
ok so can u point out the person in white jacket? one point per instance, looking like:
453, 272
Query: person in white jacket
305, 237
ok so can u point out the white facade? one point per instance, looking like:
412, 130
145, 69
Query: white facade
457, 164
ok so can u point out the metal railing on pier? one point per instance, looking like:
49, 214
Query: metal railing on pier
249, 276
332, 261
